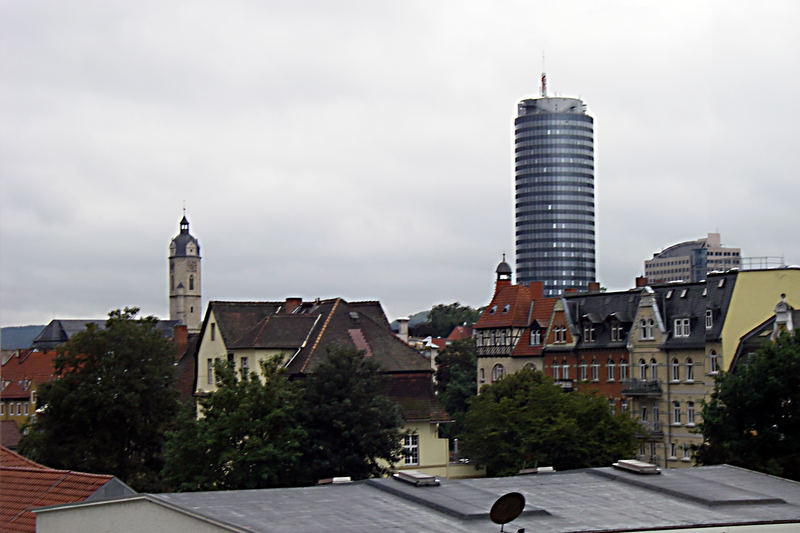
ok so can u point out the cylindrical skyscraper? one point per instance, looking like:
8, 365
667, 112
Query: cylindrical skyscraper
554, 193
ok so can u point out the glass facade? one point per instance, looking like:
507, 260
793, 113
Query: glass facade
554, 193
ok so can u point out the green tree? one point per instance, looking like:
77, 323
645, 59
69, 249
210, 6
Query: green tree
753, 416
456, 383
354, 429
444, 318
112, 400
524, 420
248, 436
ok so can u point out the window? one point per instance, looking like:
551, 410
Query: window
675, 370
642, 370
582, 370
616, 332
191, 282
646, 329
686, 452
506, 308
25, 408
644, 413
493, 310
497, 372
491, 338
245, 366
565, 369
411, 449
683, 293
529, 366
623, 369
555, 369
611, 406
689, 369
560, 334
623, 406
672, 450
595, 370
536, 337
213, 331
652, 449
690, 413
588, 332
653, 369
172, 282
502, 338
210, 370
682, 327
709, 319
33, 397
676, 413
2, 408
669, 294
483, 376
610, 369
713, 362
19, 409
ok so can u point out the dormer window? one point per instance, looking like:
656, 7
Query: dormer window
506, 308
721, 283
683, 293
616, 332
493, 310
536, 337
669, 294
709, 319
682, 327
588, 332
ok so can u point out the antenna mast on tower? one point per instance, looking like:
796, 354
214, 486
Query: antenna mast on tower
544, 79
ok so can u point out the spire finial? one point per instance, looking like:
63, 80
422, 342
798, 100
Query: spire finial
544, 78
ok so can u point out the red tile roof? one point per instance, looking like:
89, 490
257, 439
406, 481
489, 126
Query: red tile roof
25, 485
25, 371
540, 314
460, 332
510, 306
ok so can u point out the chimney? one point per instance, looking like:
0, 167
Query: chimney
537, 289
292, 304
594, 286
402, 329
641, 281
180, 337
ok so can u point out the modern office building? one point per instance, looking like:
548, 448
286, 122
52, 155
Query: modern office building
554, 193
692, 260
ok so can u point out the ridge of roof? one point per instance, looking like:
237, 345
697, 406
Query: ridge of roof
321, 332
10, 458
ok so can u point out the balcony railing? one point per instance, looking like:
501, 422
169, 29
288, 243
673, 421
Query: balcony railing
636, 387
566, 384
650, 429
498, 351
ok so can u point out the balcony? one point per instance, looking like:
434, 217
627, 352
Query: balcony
636, 387
652, 430
566, 384
494, 351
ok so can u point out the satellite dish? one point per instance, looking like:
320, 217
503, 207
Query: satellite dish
507, 508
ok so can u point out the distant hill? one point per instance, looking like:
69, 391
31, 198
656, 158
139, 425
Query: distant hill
414, 320
16, 337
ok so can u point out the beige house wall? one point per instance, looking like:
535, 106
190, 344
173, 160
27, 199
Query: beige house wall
753, 300
510, 365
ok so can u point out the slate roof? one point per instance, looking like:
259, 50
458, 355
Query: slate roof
597, 500
23, 372
602, 309
183, 238
59, 331
414, 393
236, 319
25, 485
714, 294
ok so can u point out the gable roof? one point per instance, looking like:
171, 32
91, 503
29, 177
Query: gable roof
25, 485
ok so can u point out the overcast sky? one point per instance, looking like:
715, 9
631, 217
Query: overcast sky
364, 149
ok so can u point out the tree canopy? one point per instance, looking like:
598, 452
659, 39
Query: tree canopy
456, 382
524, 420
444, 317
112, 400
753, 416
247, 437
353, 428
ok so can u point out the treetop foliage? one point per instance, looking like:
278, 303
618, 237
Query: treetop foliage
107, 411
524, 420
456, 382
444, 317
752, 419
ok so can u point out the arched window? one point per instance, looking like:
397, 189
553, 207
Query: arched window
529, 366
643, 329
191, 282
675, 370
483, 376
556, 369
595, 370
172, 282
497, 372
642, 370
582, 368
610, 367
689, 369
653, 369
564, 369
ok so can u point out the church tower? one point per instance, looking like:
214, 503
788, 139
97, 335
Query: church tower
184, 279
